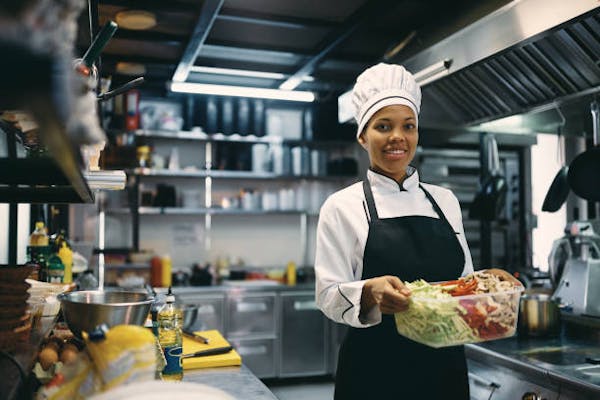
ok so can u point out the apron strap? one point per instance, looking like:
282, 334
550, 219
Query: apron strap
373, 211
436, 207
370, 201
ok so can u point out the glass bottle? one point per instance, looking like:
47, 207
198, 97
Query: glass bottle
38, 249
170, 322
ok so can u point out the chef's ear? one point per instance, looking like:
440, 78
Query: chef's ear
362, 139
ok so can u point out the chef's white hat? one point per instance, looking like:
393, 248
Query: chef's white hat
380, 86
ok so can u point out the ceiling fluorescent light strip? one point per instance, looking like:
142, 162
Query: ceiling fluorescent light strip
291, 83
242, 91
433, 72
244, 72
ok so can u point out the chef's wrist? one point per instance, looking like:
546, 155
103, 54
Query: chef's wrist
367, 301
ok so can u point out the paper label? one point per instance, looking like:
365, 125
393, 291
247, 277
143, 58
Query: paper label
173, 357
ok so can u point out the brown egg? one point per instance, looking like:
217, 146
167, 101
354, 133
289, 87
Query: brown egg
69, 355
47, 357
71, 346
53, 342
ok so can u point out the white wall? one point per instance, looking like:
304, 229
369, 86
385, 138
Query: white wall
22, 233
544, 166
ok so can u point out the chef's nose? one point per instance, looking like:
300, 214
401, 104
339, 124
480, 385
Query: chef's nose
397, 135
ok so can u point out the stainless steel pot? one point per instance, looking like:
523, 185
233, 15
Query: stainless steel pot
539, 315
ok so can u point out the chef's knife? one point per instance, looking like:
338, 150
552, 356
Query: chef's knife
194, 336
209, 352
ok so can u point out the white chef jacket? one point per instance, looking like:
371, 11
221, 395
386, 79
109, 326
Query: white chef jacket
342, 235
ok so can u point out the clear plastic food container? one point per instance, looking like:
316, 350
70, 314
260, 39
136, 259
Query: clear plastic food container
451, 321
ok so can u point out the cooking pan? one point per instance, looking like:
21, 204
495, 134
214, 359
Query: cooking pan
583, 171
491, 197
559, 189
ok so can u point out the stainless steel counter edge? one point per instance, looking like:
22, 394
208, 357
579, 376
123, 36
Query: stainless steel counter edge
238, 382
478, 353
234, 287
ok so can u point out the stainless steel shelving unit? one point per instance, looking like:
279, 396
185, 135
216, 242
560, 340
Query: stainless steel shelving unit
210, 175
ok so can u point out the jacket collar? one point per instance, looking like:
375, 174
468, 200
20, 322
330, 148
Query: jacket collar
386, 184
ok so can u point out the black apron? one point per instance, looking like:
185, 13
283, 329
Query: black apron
377, 362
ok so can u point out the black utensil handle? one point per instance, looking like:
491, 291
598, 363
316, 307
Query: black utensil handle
121, 89
92, 53
195, 336
209, 352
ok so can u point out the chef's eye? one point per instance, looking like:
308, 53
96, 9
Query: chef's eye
382, 127
410, 127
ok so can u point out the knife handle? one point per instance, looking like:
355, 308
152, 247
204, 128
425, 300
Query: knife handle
195, 336
209, 352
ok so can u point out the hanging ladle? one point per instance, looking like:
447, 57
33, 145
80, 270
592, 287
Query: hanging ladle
583, 172
559, 188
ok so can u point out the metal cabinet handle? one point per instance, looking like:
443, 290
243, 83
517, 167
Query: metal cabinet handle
251, 350
206, 309
483, 381
251, 307
305, 305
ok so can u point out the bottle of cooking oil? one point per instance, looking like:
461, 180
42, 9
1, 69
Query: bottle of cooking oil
170, 323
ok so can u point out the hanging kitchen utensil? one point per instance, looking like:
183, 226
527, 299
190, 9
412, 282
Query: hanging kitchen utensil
491, 197
121, 89
92, 53
559, 189
584, 169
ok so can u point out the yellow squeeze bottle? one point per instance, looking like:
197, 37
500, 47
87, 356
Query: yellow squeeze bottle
66, 256
290, 273
166, 271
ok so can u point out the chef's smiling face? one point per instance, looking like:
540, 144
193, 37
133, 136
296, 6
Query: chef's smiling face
391, 138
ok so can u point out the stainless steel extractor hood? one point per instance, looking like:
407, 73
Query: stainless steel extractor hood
525, 58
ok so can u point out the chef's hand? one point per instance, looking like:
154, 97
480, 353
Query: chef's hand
387, 292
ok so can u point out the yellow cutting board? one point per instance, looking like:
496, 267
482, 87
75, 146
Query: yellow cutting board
215, 339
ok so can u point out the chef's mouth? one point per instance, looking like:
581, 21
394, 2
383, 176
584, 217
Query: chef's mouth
395, 153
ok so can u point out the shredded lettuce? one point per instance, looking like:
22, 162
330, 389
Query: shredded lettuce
434, 323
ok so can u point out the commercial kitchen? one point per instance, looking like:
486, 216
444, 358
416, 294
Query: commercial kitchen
188, 147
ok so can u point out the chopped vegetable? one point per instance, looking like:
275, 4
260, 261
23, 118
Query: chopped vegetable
480, 306
432, 321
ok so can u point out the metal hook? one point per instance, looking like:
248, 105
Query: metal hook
562, 117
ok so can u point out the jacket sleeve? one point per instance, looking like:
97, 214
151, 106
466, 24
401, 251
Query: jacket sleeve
338, 291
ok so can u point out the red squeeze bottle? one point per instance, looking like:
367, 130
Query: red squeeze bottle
156, 272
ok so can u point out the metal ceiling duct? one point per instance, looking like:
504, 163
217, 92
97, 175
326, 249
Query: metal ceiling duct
526, 55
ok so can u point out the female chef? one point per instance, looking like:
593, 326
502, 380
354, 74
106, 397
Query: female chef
375, 234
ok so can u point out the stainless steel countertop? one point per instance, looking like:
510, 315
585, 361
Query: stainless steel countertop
556, 360
239, 285
238, 382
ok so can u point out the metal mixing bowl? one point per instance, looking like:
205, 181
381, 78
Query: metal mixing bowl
84, 310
